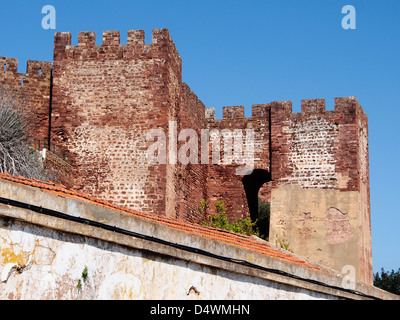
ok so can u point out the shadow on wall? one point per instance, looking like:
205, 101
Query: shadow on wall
252, 184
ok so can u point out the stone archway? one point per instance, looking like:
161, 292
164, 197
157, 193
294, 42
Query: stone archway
252, 184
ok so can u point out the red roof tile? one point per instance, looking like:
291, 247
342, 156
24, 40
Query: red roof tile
228, 237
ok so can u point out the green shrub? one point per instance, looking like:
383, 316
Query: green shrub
263, 218
220, 220
283, 243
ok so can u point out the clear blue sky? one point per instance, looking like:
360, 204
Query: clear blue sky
248, 52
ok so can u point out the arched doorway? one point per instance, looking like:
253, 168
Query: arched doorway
252, 184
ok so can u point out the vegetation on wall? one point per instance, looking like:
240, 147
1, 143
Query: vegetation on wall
283, 243
84, 277
259, 228
262, 222
17, 157
220, 220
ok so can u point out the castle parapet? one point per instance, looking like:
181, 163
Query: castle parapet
161, 47
9, 64
135, 37
260, 110
34, 68
210, 114
86, 39
233, 112
39, 68
346, 109
312, 105
111, 38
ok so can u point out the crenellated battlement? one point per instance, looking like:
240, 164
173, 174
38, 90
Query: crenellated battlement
345, 111
233, 112
34, 68
260, 110
162, 46
318, 105
39, 68
237, 112
312, 105
9, 64
135, 37
99, 102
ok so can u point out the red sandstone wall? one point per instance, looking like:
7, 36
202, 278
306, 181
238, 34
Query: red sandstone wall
223, 182
34, 85
318, 149
105, 99
191, 179
365, 206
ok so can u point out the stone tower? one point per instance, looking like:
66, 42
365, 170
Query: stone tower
102, 101
320, 200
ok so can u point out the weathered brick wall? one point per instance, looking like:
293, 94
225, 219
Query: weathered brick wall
111, 96
308, 151
105, 99
320, 166
34, 86
316, 148
58, 169
191, 178
312, 166
365, 206
224, 182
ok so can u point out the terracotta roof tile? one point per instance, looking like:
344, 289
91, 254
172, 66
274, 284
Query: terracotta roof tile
228, 237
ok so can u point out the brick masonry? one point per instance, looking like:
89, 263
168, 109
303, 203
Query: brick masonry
105, 99
102, 100
322, 150
318, 148
34, 86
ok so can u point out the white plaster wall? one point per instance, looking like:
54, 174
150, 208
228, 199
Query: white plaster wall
40, 263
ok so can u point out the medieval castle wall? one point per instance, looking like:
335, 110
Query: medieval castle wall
224, 182
320, 194
33, 87
103, 100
